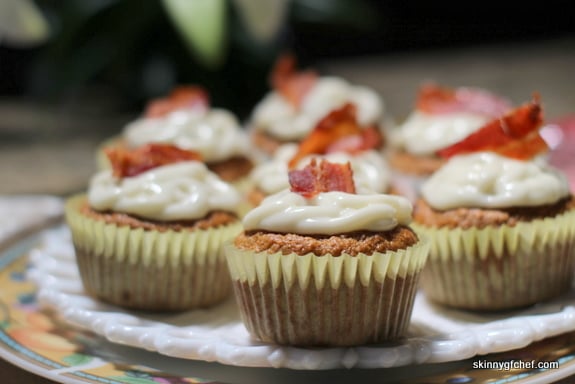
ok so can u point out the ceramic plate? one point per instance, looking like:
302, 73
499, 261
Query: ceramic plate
435, 335
38, 340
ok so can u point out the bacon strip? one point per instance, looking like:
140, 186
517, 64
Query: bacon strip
322, 177
514, 135
291, 84
435, 99
339, 130
128, 163
180, 97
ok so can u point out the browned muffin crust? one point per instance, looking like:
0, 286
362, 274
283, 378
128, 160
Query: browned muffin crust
213, 219
413, 164
266, 143
255, 196
232, 169
351, 243
466, 218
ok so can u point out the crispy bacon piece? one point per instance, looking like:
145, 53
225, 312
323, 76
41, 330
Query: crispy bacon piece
369, 138
516, 135
339, 130
526, 148
435, 99
322, 177
180, 97
127, 163
291, 84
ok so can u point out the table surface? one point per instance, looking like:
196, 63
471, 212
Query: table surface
51, 150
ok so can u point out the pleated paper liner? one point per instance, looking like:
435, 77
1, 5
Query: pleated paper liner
326, 300
500, 267
147, 269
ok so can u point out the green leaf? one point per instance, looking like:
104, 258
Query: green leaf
263, 19
203, 25
77, 359
22, 23
357, 14
133, 380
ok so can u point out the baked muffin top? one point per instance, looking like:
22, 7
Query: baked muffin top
186, 120
497, 175
322, 213
160, 183
299, 99
443, 116
352, 243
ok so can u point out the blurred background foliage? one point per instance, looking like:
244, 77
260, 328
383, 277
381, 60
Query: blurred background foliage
132, 50
124, 52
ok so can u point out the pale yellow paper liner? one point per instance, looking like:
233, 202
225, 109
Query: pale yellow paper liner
500, 267
152, 270
326, 300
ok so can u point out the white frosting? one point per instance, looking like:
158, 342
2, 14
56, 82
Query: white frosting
180, 191
215, 133
488, 180
281, 120
328, 213
271, 176
370, 171
424, 134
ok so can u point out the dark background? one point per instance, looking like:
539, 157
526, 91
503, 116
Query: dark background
127, 51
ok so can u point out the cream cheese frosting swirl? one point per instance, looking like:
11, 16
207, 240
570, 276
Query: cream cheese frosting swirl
488, 180
214, 133
180, 191
424, 134
328, 213
281, 120
370, 171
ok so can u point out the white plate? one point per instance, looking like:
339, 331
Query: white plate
217, 335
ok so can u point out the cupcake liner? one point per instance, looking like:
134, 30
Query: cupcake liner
500, 267
147, 269
326, 300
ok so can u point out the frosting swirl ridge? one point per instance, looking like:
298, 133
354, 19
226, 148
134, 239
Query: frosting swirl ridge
328, 213
488, 180
214, 133
370, 171
180, 191
424, 134
279, 118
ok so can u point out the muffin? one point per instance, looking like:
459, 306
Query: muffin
148, 233
299, 99
186, 120
319, 265
338, 138
442, 116
500, 219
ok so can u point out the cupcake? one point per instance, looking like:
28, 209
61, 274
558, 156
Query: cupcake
148, 232
186, 120
300, 99
320, 265
338, 138
501, 220
442, 117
